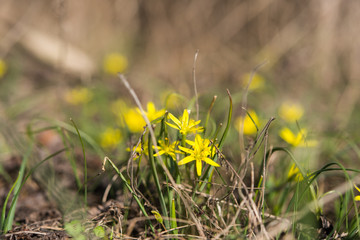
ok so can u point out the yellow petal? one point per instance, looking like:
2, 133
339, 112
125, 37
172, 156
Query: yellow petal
185, 117
191, 143
287, 135
357, 188
151, 108
211, 162
187, 150
159, 153
175, 120
172, 125
357, 198
186, 160
198, 167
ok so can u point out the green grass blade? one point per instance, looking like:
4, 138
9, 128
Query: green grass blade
206, 176
85, 163
157, 182
9, 219
17, 187
173, 223
141, 206
84, 136
3, 213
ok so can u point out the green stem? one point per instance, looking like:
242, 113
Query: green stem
85, 164
142, 208
157, 183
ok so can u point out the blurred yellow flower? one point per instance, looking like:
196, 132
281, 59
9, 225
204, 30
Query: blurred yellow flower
250, 124
137, 151
257, 82
185, 125
78, 96
110, 138
134, 120
202, 149
152, 113
115, 63
291, 112
298, 140
357, 198
3, 68
119, 108
165, 147
294, 173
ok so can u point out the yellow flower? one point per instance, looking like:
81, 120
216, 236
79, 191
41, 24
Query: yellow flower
78, 96
294, 173
115, 63
297, 141
119, 108
291, 112
186, 125
257, 82
141, 148
152, 113
134, 121
165, 147
3, 68
250, 124
110, 138
357, 198
200, 152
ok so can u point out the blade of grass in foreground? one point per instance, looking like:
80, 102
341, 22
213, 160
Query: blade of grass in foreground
141, 206
6, 222
157, 183
85, 163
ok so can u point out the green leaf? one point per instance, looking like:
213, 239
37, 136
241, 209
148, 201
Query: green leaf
99, 231
74, 228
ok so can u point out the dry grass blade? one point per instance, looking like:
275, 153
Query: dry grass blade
186, 203
195, 88
244, 106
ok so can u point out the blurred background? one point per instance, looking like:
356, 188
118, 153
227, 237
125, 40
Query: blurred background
59, 59
310, 49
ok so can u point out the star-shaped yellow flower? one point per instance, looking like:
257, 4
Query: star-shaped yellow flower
186, 125
165, 147
202, 149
